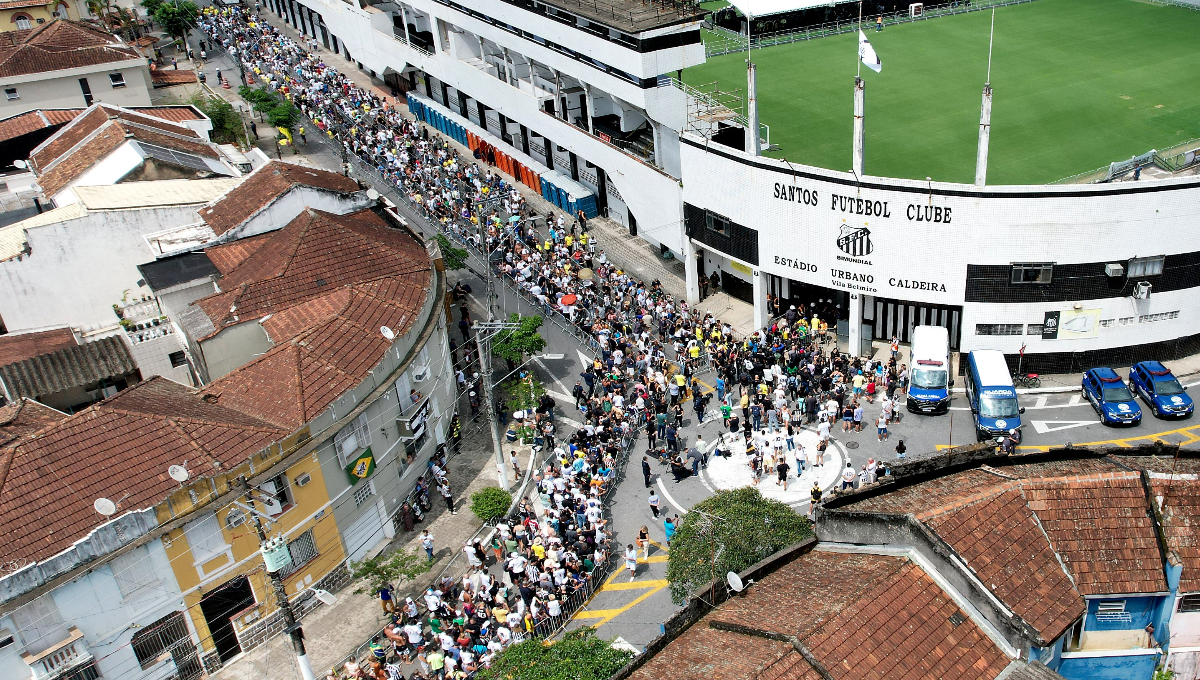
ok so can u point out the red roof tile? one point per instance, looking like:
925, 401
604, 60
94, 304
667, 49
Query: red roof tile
63, 157
861, 616
998, 537
1100, 525
58, 45
929, 494
227, 256
16, 347
118, 448
18, 4
32, 121
24, 417
1179, 500
312, 255
263, 187
166, 78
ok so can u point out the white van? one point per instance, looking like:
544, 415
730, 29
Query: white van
929, 379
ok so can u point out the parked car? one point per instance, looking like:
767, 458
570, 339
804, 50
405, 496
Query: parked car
1110, 397
1161, 391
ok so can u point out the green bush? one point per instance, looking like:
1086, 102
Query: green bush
490, 503
580, 655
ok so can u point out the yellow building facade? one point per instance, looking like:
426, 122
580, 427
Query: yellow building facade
18, 15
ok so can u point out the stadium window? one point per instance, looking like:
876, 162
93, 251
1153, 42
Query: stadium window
999, 329
716, 223
1145, 266
1033, 273
117, 80
1033, 329
11, 93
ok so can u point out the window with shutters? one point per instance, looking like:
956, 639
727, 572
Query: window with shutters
276, 496
134, 573
352, 439
1189, 604
303, 550
205, 538
154, 642
40, 625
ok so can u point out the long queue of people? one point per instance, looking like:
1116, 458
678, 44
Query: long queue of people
650, 346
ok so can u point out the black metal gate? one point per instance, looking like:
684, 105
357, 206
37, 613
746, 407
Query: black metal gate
897, 317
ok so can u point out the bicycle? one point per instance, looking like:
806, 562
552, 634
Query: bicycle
1026, 380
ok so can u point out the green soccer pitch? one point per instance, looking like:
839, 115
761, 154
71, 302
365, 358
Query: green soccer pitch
1077, 84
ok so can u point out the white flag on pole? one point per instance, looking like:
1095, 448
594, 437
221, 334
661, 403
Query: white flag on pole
867, 53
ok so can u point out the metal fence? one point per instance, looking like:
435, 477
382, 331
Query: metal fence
719, 40
1178, 157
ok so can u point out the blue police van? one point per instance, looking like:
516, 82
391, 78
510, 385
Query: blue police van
991, 394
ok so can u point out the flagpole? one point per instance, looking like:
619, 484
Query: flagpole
985, 115
858, 52
991, 40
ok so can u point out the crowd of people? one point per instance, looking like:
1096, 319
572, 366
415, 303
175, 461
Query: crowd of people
649, 349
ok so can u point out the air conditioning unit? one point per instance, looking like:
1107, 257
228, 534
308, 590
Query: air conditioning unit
303, 479
1141, 290
420, 374
1114, 269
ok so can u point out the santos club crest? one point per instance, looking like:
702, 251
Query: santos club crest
855, 241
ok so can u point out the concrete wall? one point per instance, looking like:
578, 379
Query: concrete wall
232, 348
78, 269
61, 89
284, 209
1137, 667
94, 603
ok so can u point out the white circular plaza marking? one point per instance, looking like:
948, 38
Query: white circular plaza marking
734, 472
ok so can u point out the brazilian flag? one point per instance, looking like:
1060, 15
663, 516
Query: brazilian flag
361, 467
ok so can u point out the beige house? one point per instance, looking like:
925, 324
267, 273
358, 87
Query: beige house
63, 64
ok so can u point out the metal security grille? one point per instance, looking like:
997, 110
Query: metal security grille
303, 549
895, 317
168, 635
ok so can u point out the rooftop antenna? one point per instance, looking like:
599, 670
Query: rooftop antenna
387, 333
105, 507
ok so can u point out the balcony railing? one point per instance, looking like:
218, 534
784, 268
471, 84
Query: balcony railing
65, 657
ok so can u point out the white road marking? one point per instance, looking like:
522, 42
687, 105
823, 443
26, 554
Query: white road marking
1041, 402
584, 360
1074, 400
556, 380
670, 500
1044, 426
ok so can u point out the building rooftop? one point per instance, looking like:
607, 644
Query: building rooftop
168, 77
23, 418
859, 615
94, 134
1041, 533
152, 194
16, 347
171, 271
62, 369
631, 16
118, 448
59, 44
32, 121
312, 256
263, 187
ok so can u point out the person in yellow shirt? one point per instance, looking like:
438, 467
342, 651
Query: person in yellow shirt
694, 351
569, 240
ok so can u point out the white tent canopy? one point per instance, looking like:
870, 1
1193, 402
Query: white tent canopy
761, 8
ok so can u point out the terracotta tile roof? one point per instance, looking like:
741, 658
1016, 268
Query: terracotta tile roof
263, 187
18, 4
1057, 468
998, 537
22, 418
1186, 464
120, 446
32, 121
1100, 526
928, 494
333, 351
177, 114
1179, 500
861, 616
166, 78
58, 45
227, 256
63, 157
312, 255
16, 347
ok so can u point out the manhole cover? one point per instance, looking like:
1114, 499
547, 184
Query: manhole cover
851, 445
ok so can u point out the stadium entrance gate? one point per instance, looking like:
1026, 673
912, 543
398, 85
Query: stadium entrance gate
899, 317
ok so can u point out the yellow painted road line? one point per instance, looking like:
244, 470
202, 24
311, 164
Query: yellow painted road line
606, 615
1188, 432
654, 560
634, 585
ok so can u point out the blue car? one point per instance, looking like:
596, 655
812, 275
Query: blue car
1110, 397
1160, 390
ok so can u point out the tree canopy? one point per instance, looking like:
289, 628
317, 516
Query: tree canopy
176, 17
580, 655
455, 258
227, 124
514, 345
388, 569
739, 527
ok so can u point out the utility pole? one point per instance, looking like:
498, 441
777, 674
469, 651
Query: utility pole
485, 331
274, 560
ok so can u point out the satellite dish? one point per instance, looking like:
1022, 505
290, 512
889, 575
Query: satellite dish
735, 582
387, 332
372, 194
21, 164
179, 473
105, 507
